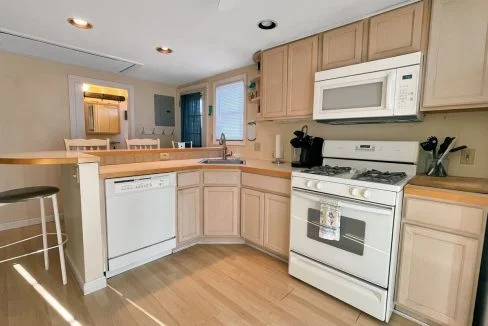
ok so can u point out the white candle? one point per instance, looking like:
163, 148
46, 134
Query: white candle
278, 146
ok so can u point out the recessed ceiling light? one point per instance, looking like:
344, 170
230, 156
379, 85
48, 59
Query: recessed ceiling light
267, 24
80, 23
164, 50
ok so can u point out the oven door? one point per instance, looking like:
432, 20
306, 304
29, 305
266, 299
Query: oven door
364, 246
360, 96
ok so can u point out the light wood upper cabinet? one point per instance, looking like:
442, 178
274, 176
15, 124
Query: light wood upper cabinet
395, 32
189, 214
457, 58
302, 66
221, 213
274, 82
438, 275
277, 223
342, 46
252, 215
102, 119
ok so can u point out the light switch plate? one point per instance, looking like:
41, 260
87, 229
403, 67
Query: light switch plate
257, 146
467, 156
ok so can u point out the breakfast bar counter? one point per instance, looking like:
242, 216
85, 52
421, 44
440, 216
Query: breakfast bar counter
134, 169
48, 158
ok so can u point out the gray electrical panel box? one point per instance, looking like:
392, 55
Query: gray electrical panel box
164, 110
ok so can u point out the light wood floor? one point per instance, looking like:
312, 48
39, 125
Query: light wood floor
202, 285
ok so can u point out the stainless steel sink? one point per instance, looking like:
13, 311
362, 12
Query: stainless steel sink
221, 161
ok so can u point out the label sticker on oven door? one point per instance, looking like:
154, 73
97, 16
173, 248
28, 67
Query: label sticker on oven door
330, 221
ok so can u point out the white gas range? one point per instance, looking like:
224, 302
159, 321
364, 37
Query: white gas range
345, 221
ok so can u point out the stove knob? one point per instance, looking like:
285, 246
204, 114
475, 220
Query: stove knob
366, 193
354, 191
309, 184
320, 185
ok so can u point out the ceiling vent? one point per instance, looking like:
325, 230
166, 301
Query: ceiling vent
36, 47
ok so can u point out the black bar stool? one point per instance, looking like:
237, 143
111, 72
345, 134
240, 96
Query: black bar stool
40, 192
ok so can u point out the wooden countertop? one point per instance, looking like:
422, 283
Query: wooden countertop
48, 158
251, 166
473, 185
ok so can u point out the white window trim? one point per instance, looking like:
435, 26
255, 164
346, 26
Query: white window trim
232, 79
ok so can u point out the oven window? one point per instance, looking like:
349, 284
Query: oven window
352, 97
352, 232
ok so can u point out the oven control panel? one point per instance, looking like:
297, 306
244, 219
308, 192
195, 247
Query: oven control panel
379, 196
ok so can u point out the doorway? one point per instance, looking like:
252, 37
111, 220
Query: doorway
92, 99
192, 118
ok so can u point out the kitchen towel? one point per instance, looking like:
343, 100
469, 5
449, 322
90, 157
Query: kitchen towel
330, 221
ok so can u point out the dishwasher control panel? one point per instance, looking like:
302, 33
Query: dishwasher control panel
133, 185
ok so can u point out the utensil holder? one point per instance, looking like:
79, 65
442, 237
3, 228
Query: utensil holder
439, 169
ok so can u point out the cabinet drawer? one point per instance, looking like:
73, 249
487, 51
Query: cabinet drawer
187, 179
266, 183
444, 215
222, 177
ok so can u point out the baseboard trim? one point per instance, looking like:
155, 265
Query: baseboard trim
89, 287
267, 252
27, 222
221, 240
401, 314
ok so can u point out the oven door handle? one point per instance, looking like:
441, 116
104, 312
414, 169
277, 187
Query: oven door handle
374, 209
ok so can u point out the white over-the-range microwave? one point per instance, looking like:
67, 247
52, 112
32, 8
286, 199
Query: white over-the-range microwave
386, 90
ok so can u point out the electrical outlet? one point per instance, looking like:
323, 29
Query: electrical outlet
467, 156
257, 146
164, 156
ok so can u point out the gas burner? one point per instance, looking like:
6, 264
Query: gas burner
380, 177
328, 170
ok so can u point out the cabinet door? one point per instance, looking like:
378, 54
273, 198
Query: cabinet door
302, 65
252, 215
114, 120
102, 119
457, 58
277, 223
395, 32
221, 211
342, 46
437, 275
189, 212
274, 82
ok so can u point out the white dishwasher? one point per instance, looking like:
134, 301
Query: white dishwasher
141, 218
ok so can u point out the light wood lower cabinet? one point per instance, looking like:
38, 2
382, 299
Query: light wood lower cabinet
277, 223
440, 255
189, 214
252, 215
221, 213
265, 220
437, 274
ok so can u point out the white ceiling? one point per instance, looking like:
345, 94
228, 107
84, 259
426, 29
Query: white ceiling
206, 38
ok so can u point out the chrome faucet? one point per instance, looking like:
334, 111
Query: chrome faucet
223, 142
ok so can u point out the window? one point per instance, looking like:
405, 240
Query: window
230, 108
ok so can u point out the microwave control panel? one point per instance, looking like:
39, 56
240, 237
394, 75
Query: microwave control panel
407, 90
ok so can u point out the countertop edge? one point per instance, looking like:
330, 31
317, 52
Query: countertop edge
197, 166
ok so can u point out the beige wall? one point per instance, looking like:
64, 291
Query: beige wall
470, 128
34, 115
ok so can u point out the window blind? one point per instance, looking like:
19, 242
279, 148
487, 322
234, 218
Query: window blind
229, 111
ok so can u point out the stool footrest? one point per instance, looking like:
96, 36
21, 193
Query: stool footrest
65, 239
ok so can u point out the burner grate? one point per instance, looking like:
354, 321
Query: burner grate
328, 170
380, 177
